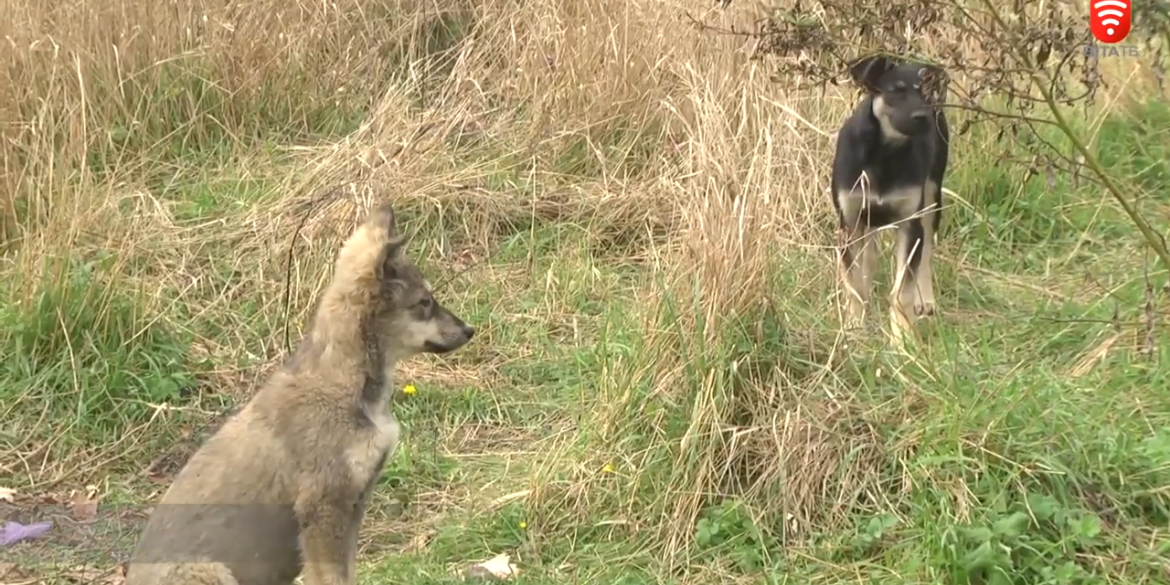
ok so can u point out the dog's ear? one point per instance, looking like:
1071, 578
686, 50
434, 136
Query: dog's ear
382, 221
867, 71
388, 259
382, 218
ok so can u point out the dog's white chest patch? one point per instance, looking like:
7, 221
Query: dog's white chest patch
380, 440
902, 203
386, 428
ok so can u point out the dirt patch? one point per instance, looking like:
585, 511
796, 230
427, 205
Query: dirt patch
73, 549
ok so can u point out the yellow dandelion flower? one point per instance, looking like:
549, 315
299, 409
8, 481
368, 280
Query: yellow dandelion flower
523, 525
409, 390
607, 468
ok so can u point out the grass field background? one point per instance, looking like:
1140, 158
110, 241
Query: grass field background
633, 216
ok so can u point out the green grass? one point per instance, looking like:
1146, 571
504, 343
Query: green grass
1003, 452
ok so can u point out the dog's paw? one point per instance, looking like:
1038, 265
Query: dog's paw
925, 309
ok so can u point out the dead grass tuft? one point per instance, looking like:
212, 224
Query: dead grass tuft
752, 429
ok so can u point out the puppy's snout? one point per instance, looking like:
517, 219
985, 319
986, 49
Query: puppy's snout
468, 330
921, 120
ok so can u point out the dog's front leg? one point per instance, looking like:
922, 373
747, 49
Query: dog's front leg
328, 546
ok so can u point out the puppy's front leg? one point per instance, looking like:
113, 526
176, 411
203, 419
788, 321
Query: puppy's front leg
905, 299
925, 272
857, 261
327, 543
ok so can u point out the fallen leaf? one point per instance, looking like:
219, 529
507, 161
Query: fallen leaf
84, 505
158, 478
497, 568
7, 494
15, 532
118, 576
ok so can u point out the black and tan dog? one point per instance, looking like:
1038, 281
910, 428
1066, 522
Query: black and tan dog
888, 171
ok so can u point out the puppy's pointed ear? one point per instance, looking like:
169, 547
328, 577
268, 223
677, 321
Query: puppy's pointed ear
388, 259
867, 71
382, 217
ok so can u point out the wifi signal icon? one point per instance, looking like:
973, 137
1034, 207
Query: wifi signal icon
1110, 20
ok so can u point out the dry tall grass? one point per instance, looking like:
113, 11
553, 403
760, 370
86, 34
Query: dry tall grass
663, 127
115, 84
